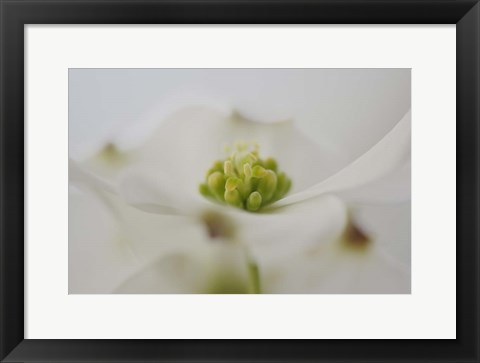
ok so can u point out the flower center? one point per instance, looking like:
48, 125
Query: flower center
244, 180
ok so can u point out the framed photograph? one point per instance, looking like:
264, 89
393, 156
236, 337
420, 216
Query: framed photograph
239, 181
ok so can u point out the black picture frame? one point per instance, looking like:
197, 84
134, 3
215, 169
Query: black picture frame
15, 14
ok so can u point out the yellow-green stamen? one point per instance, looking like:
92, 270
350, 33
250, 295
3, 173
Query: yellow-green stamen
246, 181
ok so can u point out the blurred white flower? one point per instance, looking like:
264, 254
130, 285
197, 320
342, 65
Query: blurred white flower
145, 228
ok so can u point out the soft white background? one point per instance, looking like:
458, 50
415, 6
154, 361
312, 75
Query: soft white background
428, 313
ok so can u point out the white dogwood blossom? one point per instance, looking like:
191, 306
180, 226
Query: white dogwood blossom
178, 214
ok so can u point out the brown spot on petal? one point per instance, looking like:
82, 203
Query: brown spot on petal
112, 156
218, 225
355, 237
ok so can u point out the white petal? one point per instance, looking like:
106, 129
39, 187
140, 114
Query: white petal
389, 225
392, 152
98, 256
159, 192
336, 267
381, 274
150, 235
173, 274
112, 239
205, 268
80, 176
336, 270
394, 187
277, 234
140, 130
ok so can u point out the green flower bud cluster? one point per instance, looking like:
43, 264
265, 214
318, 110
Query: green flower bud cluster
245, 181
